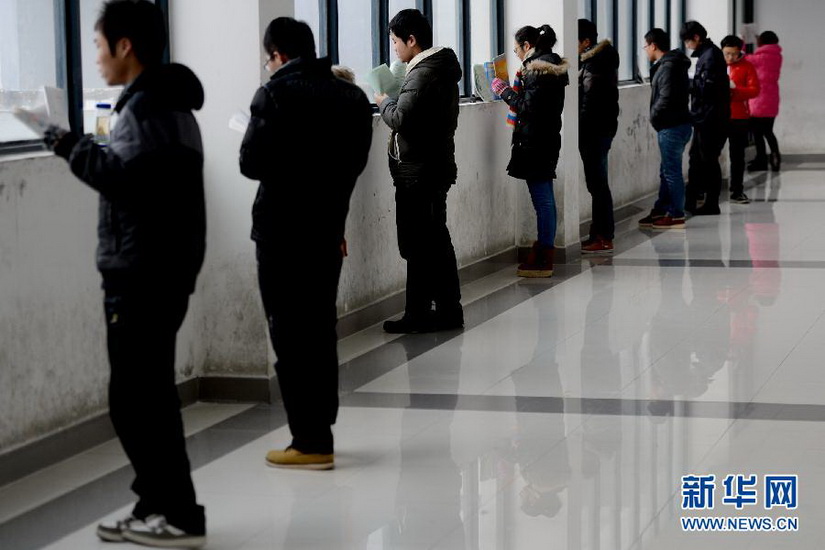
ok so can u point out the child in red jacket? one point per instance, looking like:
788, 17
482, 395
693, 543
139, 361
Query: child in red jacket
744, 85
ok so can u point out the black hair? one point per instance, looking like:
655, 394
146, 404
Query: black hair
141, 22
542, 38
587, 29
658, 37
731, 41
768, 37
412, 22
289, 37
691, 29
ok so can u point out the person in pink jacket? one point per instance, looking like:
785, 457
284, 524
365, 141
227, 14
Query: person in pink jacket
767, 59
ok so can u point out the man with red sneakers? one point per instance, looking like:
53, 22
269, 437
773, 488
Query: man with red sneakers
669, 115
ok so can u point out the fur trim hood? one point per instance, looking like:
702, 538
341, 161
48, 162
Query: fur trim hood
592, 52
538, 65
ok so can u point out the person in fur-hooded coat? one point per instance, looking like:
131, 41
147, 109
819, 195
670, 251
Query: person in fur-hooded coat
598, 122
536, 100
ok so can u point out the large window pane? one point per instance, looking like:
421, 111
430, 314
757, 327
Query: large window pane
447, 24
397, 5
639, 41
481, 20
660, 14
355, 31
309, 12
604, 19
626, 40
27, 61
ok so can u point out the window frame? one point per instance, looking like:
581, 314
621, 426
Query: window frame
69, 68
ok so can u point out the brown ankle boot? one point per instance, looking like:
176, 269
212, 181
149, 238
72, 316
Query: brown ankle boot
539, 263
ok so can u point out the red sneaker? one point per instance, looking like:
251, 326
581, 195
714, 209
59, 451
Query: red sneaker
667, 222
598, 246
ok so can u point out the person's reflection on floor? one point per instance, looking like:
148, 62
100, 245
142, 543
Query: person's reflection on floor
688, 306
539, 448
428, 472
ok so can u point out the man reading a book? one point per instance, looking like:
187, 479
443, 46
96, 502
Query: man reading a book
423, 120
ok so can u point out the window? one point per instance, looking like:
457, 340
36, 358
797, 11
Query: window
355, 33
48, 43
309, 11
355, 20
28, 61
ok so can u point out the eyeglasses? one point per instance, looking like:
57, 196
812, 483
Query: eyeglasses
269, 60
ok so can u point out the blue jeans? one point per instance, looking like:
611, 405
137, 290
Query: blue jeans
541, 192
672, 143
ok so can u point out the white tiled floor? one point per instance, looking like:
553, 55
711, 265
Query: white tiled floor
716, 332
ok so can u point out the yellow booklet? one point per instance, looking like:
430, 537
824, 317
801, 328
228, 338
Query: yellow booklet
500, 64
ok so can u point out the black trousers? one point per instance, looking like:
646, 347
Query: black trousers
738, 136
763, 130
141, 328
307, 375
594, 151
704, 172
424, 242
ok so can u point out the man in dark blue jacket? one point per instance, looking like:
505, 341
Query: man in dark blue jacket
710, 114
307, 142
151, 245
669, 115
423, 120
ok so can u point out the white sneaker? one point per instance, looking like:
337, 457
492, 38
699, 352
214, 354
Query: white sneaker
112, 530
156, 532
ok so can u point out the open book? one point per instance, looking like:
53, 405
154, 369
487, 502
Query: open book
51, 112
388, 80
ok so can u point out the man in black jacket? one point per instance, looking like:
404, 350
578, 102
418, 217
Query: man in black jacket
422, 162
710, 114
598, 121
151, 244
669, 115
307, 142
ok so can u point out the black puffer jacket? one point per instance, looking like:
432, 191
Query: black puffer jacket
152, 220
710, 90
307, 142
423, 120
669, 88
599, 90
538, 106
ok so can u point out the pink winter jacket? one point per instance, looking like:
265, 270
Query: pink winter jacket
768, 62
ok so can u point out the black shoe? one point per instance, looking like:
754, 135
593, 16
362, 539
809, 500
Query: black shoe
775, 160
707, 210
740, 198
411, 325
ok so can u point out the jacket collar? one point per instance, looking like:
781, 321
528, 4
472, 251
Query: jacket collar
422, 56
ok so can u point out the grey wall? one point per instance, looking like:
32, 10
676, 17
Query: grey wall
800, 126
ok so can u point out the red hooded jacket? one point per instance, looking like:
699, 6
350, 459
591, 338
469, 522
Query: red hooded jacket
743, 75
